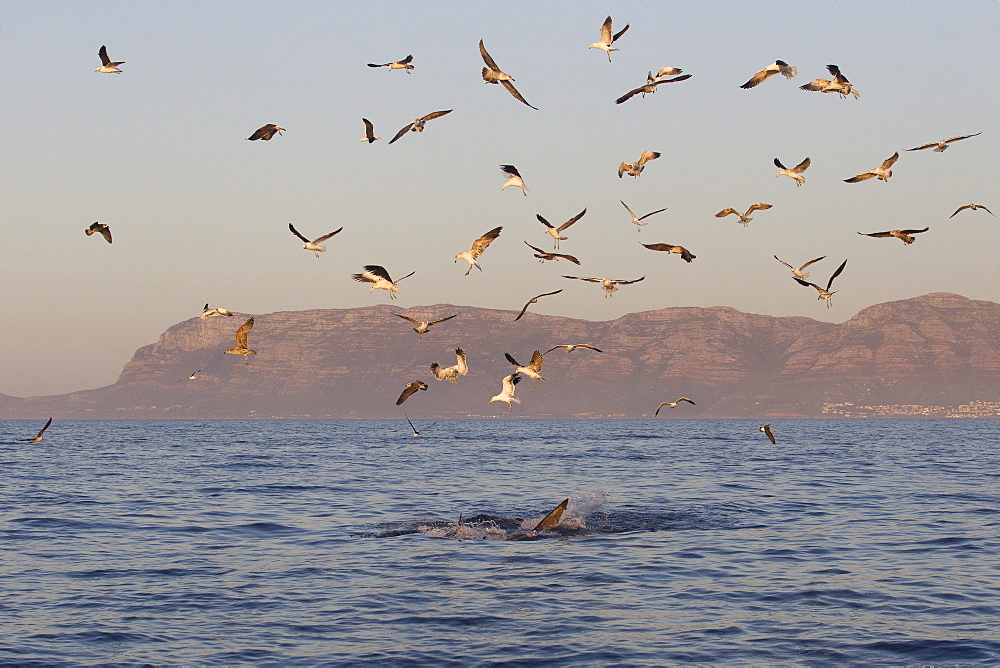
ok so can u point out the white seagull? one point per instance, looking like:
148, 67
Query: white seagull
313, 245
513, 179
635, 168
798, 273
940, 146
824, 293
380, 279
478, 247
37, 436
554, 231
533, 370
369, 131
417, 125
607, 38
744, 217
492, 74
777, 67
507, 394
453, 372
571, 348
607, 284
241, 342
403, 64
672, 404
423, 325
840, 84
108, 67
795, 172
213, 312
637, 220
882, 172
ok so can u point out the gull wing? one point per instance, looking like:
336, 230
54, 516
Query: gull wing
807, 263
511, 359
480, 244
509, 382
536, 362
510, 170
460, 366
915, 231
627, 96
889, 162
369, 130
725, 212
487, 58
606, 37
588, 347
438, 372
665, 403
860, 177
835, 71
410, 389
948, 141
760, 77
816, 84
539, 250
757, 206
402, 132
777, 163
632, 213
624, 167
767, 431
106, 233
622, 282
435, 114
103, 53
581, 278
651, 212
326, 236
836, 274
544, 222
565, 257
801, 167
614, 38
525, 309
646, 156
687, 400
786, 264
517, 96
406, 317
876, 234
407, 60
434, 322
376, 271
806, 283
243, 332
571, 221
920, 148
296, 233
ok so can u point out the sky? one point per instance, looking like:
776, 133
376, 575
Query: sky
200, 215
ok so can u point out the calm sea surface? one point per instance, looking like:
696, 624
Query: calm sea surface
304, 542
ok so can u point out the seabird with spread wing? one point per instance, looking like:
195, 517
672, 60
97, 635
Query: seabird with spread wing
685, 254
403, 64
533, 370
635, 168
777, 67
99, 227
411, 389
798, 273
795, 173
672, 404
534, 300
902, 235
369, 131
107, 67
37, 436
554, 231
744, 217
380, 279
492, 74
313, 245
477, 248
607, 38
507, 391
607, 284
513, 179
417, 125
453, 372
649, 87
423, 325
882, 172
940, 146
265, 132
637, 220
839, 84
241, 342
824, 293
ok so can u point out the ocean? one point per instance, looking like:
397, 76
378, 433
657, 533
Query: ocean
338, 542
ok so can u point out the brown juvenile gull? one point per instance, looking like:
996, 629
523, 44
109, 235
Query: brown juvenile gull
411, 388
635, 168
902, 235
607, 284
571, 348
744, 217
423, 325
973, 207
403, 64
37, 436
649, 87
534, 300
453, 372
369, 131
778, 66
533, 370
882, 172
793, 173
839, 84
492, 74
637, 220
514, 179
265, 132
313, 245
477, 248
241, 342
554, 231
940, 146
380, 279
607, 38
108, 67
417, 125
824, 293
507, 391
670, 248
672, 404
99, 227
798, 273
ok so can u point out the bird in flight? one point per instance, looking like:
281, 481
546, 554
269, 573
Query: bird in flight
672, 404
415, 432
410, 389
793, 173
38, 436
554, 231
607, 284
241, 342
423, 325
607, 38
839, 84
533, 370
99, 227
313, 245
369, 131
882, 172
108, 67
635, 168
777, 67
940, 146
649, 86
637, 220
190, 376
453, 372
213, 312
670, 248
492, 74
665, 71
744, 217
902, 235
534, 300
798, 273
265, 132
571, 348
973, 207
513, 180
477, 248
507, 391
417, 125
380, 279
824, 293
545, 255
403, 64
767, 432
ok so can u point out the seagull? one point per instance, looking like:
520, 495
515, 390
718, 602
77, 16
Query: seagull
99, 227
636, 220
380, 279
411, 388
38, 436
973, 207
902, 235
507, 394
241, 342
744, 217
453, 372
553, 231
403, 64
767, 431
514, 179
369, 131
422, 325
882, 172
545, 255
314, 244
607, 284
940, 146
672, 404
649, 86
607, 39
825, 293
777, 67
492, 74
795, 172
190, 376
798, 273
840, 84
534, 300
665, 71
571, 348
669, 248
635, 169
107, 67
417, 125
415, 432
477, 248
533, 370
265, 132
212, 312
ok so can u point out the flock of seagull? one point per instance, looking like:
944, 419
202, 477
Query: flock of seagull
378, 278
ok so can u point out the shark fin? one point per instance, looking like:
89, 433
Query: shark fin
551, 520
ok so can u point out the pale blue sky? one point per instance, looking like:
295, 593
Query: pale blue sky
199, 214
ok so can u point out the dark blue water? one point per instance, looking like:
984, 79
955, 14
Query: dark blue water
304, 542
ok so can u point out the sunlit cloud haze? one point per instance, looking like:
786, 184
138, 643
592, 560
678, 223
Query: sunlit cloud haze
199, 214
